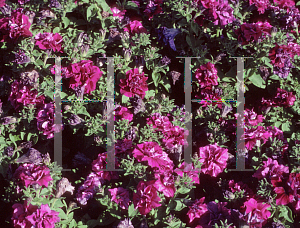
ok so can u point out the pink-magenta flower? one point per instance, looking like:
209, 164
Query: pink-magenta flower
44, 217
251, 32
251, 118
222, 13
2, 3
135, 83
153, 7
21, 211
198, 209
120, 196
214, 159
82, 74
207, 75
190, 171
146, 198
239, 186
24, 95
208, 97
15, 26
285, 4
45, 121
30, 174
159, 122
153, 154
282, 99
261, 5
174, 136
118, 13
278, 134
165, 183
123, 113
257, 213
252, 135
135, 27
47, 41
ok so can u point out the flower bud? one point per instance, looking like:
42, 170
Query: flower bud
127, 54
102, 33
9, 120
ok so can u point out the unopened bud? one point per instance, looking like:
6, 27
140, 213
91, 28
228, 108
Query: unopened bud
102, 33
127, 54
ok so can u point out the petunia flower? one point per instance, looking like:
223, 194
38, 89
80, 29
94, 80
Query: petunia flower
198, 209
257, 213
44, 217
49, 41
120, 196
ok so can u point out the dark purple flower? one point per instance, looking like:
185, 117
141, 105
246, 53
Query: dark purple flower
146, 197
45, 121
120, 196
21, 58
166, 36
198, 209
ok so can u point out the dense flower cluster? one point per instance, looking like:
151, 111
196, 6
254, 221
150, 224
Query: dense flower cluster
123, 113
15, 26
282, 99
28, 215
135, 27
207, 75
135, 83
50, 41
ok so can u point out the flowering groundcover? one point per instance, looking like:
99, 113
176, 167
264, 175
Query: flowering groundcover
63, 61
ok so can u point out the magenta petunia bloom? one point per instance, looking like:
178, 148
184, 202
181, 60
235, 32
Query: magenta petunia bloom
280, 54
82, 74
159, 122
222, 13
87, 190
30, 174
21, 211
135, 27
257, 213
15, 26
190, 171
153, 7
251, 117
261, 5
174, 136
120, 196
100, 163
2, 3
239, 186
48, 41
123, 146
45, 121
24, 95
146, 197
282, 99
198, 209
44, 217
135, 83
285, 4
165, 183
123, 113
118, 13
208, 97
214, 159
252, 135
207, 75
251, 32
278, 134
153, 154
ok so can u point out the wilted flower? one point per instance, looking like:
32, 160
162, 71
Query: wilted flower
45, 121
55, 4
135, 83
43, 217
32, 156
85, 74
120, 196
15, 26
63, 186
207, 75
123, 113
30, 174
30, 78
213, 159
137, 104
257, 213
146, 197
126, 223
153, 154
21, 58
198, 209
8, 120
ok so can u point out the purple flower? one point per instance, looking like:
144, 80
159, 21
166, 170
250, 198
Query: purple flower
282, 99
123, 146
207, 75
21, 211
120, 196
257, 213
252, 135
165, 183
15, 26
44, 217
135, 83
213, 159
146, 197
261, 5
118, 13
21, 58
190, 171
47, 41
45, 121
135, 27
174, 136
30, 174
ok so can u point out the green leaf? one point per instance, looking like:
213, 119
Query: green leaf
89, 12
83, 111
257, 80
149, 93
56, 30
277, 124
104, 5
131, 211
66, 21
166, 84
39, 62
179, 205
125, 99
286, 127
62, 214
